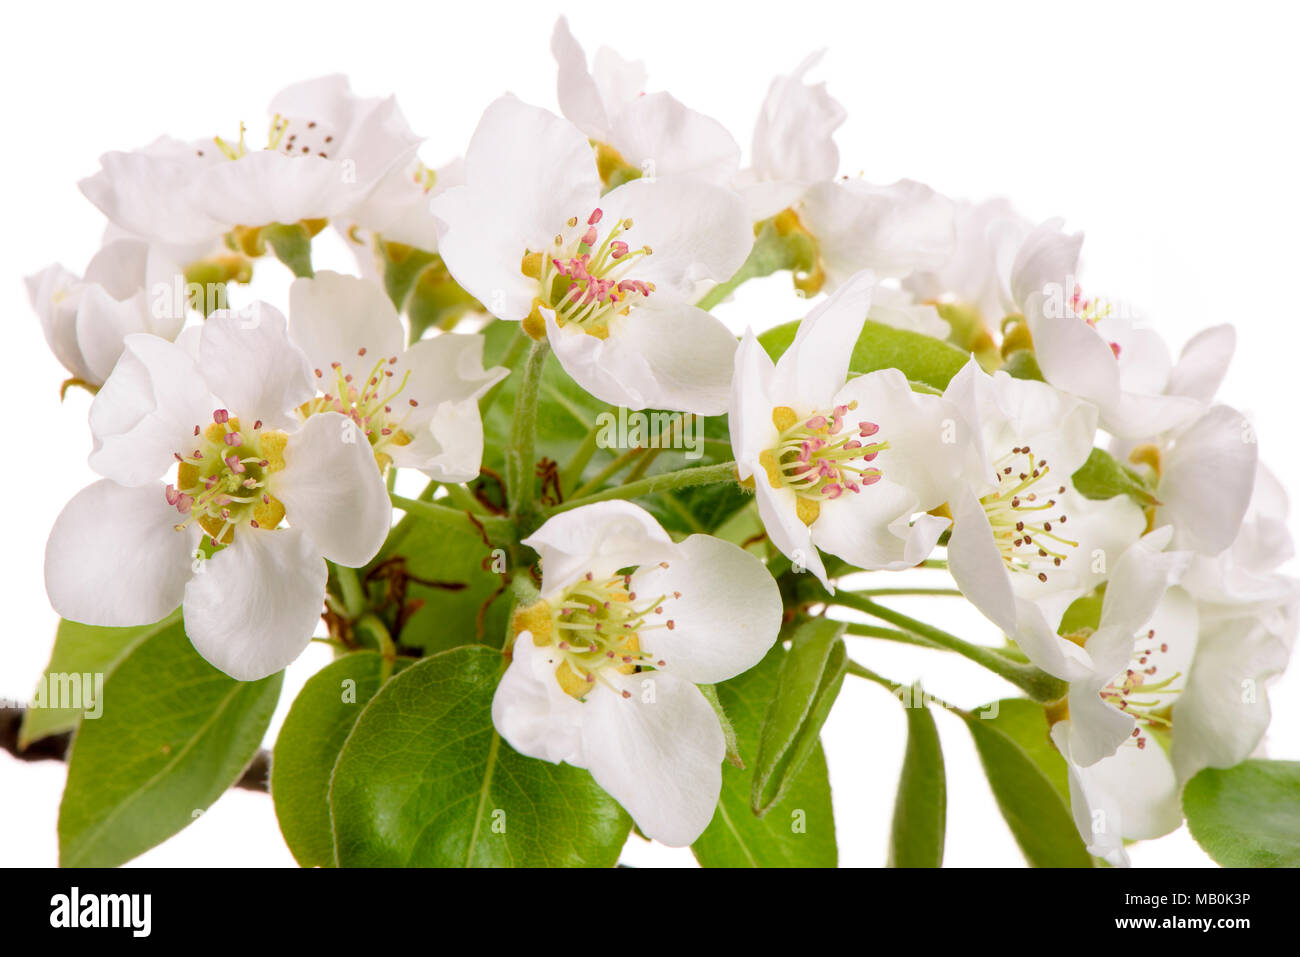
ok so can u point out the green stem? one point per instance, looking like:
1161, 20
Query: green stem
372, 626
572, 473
607, 473
499, 529
663, 482
460, 496
354, 596
1035, 682
875, 592
513, 351
891, 634
520, 480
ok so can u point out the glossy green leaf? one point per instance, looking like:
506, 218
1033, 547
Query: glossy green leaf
811, 676
1025, 723
80, 650
920, 357
799, 831
1038, 816
174, 735
1103, 476
921, 806
425, 781
1248, 815
307, 747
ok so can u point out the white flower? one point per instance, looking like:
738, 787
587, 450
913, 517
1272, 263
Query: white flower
86, 319
605, 665
841, 465
987, 236
397, 209
1122, 368
651, 133
325, 150
1115, 721
417, 407
1249, 615
1021, 532
793, 145
220, 408
611, 278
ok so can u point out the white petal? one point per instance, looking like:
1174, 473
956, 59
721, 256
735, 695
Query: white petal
976, 563
114, 558
333, 317
532, 712
658, 753
599, 538
1207, 480
892, 230
749, 412
1224, 711
579, 98
267, 186
662, 137
251, 608
1069, 352
874, 528
1138, 582
928, 448
147, 411
332, 489
1036, 635
1047, 263
724, 605
448, 447
816, 364
793, 136
250, 363
785, 530
527, 172
699, 233
673, 357
1203, 363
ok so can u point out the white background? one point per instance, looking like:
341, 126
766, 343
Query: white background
1167, 131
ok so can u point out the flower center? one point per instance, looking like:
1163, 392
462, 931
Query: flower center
1142, 691
370, 401
584, 278
1021, 515
595, 626
221, 482
291, 136
1090, 311
819, 457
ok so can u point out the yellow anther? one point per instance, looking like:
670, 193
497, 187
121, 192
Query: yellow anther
808, 509
537, 619
783, 417
531, 266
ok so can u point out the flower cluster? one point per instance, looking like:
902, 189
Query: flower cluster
953, 398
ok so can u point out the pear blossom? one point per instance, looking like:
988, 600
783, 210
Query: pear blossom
977, 275
397, 210
1112, 727
325, 150
1250, 613
1021, 532
604, 666
87, 318
610, 280
1121, 367
838, 463
793, 145
205, 459
636, 132
417, 407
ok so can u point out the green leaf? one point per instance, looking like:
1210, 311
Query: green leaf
921, 807
425, 781
81, 650
1248, 815
1103, 476
811, 676
307, 747
920, 357
1029, 799
799, 831
175, 733
1025, 723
